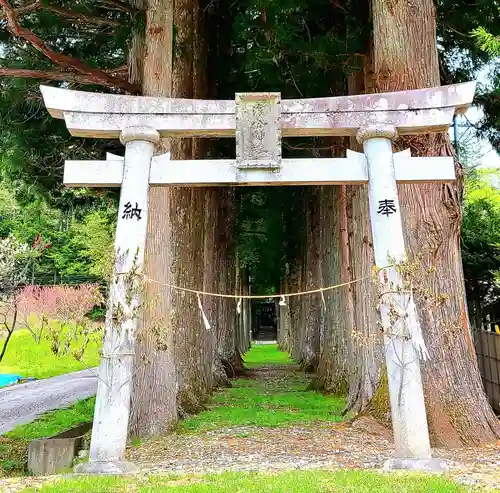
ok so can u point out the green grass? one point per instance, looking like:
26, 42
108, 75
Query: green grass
13, 445
267, 402
55, 422
285, 482
28, 359
266, 355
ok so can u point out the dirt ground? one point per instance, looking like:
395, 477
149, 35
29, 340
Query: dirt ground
364, 444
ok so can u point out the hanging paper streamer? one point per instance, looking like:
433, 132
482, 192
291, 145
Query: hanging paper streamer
238, 306
323, 299
203, 316
282, 301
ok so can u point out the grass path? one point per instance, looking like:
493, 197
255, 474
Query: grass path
272, 394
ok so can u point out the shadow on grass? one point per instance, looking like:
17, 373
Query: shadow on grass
273, 393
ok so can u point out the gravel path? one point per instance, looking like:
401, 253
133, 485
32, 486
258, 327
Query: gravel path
362, 445
23, 403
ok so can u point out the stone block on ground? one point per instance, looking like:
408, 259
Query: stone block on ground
56, 454
52, 455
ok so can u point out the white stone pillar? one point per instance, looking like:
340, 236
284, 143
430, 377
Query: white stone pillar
402, 335
109, 432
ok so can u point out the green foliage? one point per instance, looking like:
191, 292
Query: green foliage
315, 481
302, 48
261, 235
29, 359
486, 41
86, 247
481, 236
33, 145
97, 313
94, 239
460, 54
81, 238
8, 211
466, 47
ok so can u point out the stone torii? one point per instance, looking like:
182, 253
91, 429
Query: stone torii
259, 121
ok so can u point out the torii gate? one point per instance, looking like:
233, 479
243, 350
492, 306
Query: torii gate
258, 121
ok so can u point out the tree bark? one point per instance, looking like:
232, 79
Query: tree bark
238, 320
365, 343
346, 276
175, 246
284, 315
194, 369
154, 407
295, 284
212, 282
5, 344
246, 306
405, 57
312, 310
332, 368
295, 238
226, 334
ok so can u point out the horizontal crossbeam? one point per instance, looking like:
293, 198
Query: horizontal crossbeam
109, 126
336, 171
58, 101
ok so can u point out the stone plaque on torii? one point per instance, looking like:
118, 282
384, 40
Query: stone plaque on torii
258, 121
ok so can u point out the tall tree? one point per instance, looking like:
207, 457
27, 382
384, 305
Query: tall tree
175, 247
405, 57
227, 349
312, 313
365, 342
154, 406
332, 367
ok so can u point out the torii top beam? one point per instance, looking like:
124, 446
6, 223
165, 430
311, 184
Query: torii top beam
410, 112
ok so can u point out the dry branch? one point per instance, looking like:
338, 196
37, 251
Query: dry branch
94, 75
67, 14
119, 5
51, 75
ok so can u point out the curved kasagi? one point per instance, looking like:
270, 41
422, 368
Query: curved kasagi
458, 96
58, 101
417, 111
